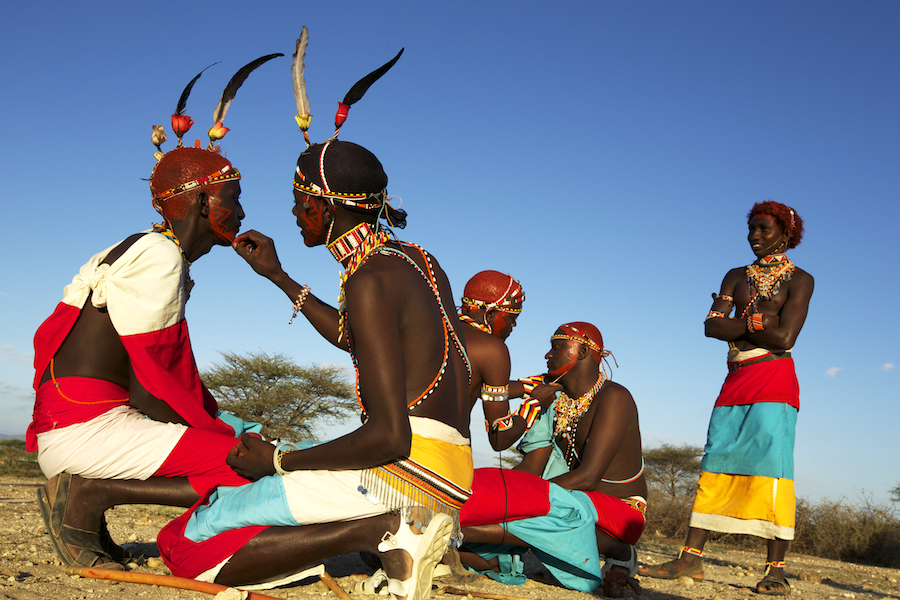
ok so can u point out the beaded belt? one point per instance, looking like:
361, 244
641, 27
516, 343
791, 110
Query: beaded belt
734, 366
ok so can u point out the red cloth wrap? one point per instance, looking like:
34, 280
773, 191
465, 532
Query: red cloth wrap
766, 381
200, 456
618, 518
188, 559
92, 397
504, 495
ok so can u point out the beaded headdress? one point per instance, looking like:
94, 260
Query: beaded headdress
584, 333
327, 179
181, 123
789, 220
494, 290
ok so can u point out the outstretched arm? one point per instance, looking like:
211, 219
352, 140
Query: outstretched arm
259, 252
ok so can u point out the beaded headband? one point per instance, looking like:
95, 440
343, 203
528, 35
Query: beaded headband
578, 336
181, 123
509, 301
313, 189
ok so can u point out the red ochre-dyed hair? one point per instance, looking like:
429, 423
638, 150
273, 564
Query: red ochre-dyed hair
580, 329
490, 286
180, 166
782, 214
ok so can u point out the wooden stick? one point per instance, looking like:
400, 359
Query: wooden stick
171, 581
334, 586
459, 592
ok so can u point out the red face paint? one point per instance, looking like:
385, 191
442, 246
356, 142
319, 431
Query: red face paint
503, 324
310, 213
562, 356
225, 212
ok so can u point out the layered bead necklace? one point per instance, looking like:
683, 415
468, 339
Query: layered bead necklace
163, 229
569, 412
766, 275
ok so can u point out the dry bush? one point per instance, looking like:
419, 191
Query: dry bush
868, 532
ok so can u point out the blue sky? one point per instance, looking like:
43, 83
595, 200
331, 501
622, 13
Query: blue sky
604, 153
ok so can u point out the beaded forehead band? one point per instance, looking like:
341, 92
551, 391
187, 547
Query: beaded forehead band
509, 301
578, 336
181, 123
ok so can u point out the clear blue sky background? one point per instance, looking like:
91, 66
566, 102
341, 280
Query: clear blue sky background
605, 153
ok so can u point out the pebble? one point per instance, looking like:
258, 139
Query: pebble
717, 597
685, 581
155, 563
808, 576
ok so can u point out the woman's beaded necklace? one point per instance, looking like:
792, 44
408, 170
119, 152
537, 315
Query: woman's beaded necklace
164, 229
764, 279
569, 412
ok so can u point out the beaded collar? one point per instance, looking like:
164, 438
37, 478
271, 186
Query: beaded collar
766, 275
164, 230
358, 257
470, 321
569, 412
344, 246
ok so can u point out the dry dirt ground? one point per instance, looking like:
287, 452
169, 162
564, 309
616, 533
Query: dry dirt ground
29, 568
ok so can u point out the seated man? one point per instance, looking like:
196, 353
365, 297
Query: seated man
120, 414
411, 455
588, 445
491, 303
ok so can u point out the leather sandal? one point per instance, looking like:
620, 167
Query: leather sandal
426, 551
770, 580
88, 543
670, 572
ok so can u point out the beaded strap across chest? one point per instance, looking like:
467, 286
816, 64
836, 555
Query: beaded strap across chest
448, 330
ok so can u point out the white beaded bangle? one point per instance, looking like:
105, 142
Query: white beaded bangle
279, 454
304, 292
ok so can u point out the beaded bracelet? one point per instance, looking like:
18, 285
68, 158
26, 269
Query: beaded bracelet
501, 424
714, 314
279, 454
529, 411
722, 297
755, 322
304, 292
689, 550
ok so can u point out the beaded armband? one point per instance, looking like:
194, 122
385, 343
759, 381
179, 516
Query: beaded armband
501, 424
304, 293
279, 455
714, 314
529, 411
494, 393
723, 297
755, 322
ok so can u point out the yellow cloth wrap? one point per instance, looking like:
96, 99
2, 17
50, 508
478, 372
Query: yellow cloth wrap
451, 462
762, 506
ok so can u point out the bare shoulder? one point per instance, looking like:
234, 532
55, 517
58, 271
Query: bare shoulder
615, 392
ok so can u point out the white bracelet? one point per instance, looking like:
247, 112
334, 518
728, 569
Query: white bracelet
279, 454
304, 292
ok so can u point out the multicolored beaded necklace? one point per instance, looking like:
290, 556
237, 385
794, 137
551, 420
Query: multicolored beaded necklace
569, 412
470, 321
342, 247
768, 273
163, 229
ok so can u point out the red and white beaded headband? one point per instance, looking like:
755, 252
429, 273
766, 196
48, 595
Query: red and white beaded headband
226, 173
579, 337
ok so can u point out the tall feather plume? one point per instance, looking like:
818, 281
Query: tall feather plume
297, 74
182, 102
235, 84
361, 86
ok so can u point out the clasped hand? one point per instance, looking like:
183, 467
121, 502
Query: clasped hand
259, 252
252, 457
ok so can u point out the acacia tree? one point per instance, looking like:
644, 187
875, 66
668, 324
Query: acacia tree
290, 401
673, 470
